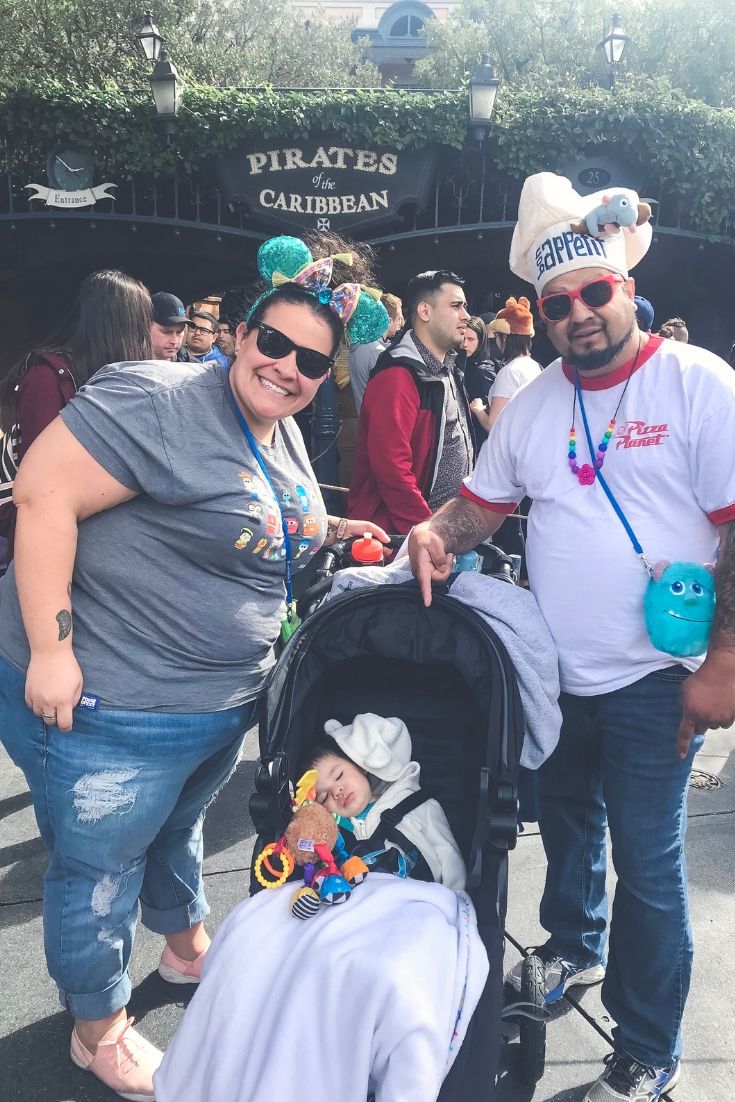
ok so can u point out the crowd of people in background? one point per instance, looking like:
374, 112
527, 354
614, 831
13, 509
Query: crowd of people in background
427, 393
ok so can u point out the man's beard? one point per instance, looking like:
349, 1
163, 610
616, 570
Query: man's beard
594, 361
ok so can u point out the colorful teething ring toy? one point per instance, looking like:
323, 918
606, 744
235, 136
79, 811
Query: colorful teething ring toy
287, 863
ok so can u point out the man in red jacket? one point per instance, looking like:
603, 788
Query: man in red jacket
415, 442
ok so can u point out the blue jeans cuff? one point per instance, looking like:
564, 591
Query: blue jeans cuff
653, 1060
99, 1004
174, 920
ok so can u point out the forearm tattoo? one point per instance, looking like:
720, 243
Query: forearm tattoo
723, 628
63, 619
336, 528
461, 525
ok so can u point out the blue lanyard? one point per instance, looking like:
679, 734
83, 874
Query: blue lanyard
259, 460
601, 479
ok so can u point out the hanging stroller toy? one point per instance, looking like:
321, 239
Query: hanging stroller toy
310, 841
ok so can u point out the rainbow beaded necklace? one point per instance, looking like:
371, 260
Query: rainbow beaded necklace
588, 472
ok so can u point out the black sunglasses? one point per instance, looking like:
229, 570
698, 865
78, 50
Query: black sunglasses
271, 342
595, 294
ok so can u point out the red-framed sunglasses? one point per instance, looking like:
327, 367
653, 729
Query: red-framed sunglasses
595, 294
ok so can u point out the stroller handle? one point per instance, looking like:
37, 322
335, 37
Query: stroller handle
495, 563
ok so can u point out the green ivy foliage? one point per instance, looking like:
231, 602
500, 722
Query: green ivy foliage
122, 130
685, 148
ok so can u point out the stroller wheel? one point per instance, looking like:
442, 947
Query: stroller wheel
533, 1031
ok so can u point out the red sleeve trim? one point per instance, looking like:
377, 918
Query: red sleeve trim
723, 516
505, 507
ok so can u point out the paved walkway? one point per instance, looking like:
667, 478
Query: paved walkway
34, 1032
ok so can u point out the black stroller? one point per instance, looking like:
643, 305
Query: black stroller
447, 675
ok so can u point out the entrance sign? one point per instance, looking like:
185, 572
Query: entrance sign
326, 184
54, 197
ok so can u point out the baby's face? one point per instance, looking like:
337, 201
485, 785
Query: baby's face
341, 787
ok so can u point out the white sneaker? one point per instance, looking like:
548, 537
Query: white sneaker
626, 1078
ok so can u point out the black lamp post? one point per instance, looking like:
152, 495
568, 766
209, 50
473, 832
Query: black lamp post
166, 87
483, 90
150, 38
614, 45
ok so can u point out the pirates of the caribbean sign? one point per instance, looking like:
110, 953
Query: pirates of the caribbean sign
326, 184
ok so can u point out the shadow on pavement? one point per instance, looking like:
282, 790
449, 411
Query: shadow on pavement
512, 1088
21, 851
154, 993
228, 821
36, 1066
11, 804
35, 1060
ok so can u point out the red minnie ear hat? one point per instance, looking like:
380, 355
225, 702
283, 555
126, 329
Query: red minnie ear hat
517, 314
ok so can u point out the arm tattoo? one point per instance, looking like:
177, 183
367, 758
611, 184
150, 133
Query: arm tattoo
723, 628
63, 619
461, 525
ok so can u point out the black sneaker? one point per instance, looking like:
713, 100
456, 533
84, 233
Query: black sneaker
560, 974
626, 1078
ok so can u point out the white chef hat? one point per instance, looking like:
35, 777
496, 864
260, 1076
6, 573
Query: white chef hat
546, 245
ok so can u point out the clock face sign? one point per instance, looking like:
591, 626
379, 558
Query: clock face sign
70, 169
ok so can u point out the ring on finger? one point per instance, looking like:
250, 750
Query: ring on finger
44, 716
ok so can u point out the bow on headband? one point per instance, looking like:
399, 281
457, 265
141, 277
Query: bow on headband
316, 277
288, 260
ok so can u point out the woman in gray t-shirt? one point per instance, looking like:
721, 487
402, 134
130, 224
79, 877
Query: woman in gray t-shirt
160, 511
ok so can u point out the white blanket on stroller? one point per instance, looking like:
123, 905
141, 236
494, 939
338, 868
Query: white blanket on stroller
372, 995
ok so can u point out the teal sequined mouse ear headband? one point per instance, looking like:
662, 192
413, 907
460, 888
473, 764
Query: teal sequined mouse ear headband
288, 260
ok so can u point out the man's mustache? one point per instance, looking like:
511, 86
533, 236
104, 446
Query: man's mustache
583, 329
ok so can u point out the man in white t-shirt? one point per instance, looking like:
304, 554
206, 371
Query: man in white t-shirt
661, 417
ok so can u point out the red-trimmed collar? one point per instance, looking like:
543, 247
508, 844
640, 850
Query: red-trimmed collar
620, 374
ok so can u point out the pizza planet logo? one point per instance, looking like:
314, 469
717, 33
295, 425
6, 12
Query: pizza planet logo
325, 165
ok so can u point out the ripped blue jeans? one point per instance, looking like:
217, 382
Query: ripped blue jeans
120, 803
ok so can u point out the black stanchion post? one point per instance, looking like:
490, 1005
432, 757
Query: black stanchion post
324, 430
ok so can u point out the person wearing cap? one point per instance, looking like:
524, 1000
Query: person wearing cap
515, 323
643, 313
633, 714
168, 327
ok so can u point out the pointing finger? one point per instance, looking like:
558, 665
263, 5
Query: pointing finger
425, 572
